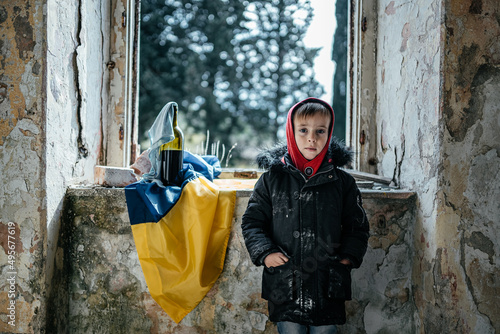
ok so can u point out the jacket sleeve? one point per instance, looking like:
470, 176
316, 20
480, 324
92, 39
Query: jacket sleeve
256, 223
355, 227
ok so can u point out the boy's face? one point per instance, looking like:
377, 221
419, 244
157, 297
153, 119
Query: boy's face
311, 134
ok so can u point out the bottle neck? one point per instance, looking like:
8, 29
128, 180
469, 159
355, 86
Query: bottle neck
174, 120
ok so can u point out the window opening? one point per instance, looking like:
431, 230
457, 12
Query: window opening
234, 67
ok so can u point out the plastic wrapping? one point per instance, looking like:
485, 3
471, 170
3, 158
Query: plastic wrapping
161, 132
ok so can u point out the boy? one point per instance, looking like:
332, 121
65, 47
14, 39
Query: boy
305, 223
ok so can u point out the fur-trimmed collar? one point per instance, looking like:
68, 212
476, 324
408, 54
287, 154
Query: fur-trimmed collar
337, 151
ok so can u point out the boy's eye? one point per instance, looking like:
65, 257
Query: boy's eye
320, 131
303, 130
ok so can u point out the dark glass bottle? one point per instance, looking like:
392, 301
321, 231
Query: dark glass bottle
171, 154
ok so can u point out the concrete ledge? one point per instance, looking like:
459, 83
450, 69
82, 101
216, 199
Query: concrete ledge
101, 287
366, 193
392, 193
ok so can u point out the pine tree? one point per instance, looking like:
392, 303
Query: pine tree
282, 66
186, 56
235, 67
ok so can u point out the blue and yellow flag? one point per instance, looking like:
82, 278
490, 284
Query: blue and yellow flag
181, 235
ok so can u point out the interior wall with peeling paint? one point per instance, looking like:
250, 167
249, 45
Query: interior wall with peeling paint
438, 124
53, 95
22, 161
76, 91
470, 181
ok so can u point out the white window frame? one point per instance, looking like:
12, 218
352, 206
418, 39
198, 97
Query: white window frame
361, 129
120, 124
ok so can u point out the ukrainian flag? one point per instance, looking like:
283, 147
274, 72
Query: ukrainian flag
181, 235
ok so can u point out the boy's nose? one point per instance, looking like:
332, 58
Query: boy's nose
312, 138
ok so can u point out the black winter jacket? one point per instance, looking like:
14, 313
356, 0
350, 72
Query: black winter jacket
315, 222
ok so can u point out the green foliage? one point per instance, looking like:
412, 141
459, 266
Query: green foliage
235, 67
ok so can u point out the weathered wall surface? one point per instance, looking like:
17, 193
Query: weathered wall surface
76, 99
408, 120
408, 84
438, 120
107, 291
22, 166
52, 91
467, 261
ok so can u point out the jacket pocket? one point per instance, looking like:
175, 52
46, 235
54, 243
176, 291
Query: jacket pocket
278, 283
339, 282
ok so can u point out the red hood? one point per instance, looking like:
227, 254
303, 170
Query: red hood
297, 158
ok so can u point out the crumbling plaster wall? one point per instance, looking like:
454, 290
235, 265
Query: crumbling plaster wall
53, 83
104, 290
76, 91
468, 258
22, 166
438, 78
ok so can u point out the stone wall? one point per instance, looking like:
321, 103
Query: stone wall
102, 289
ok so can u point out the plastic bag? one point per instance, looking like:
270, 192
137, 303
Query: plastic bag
161, 132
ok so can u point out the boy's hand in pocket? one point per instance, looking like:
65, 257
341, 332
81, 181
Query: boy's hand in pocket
275, 260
